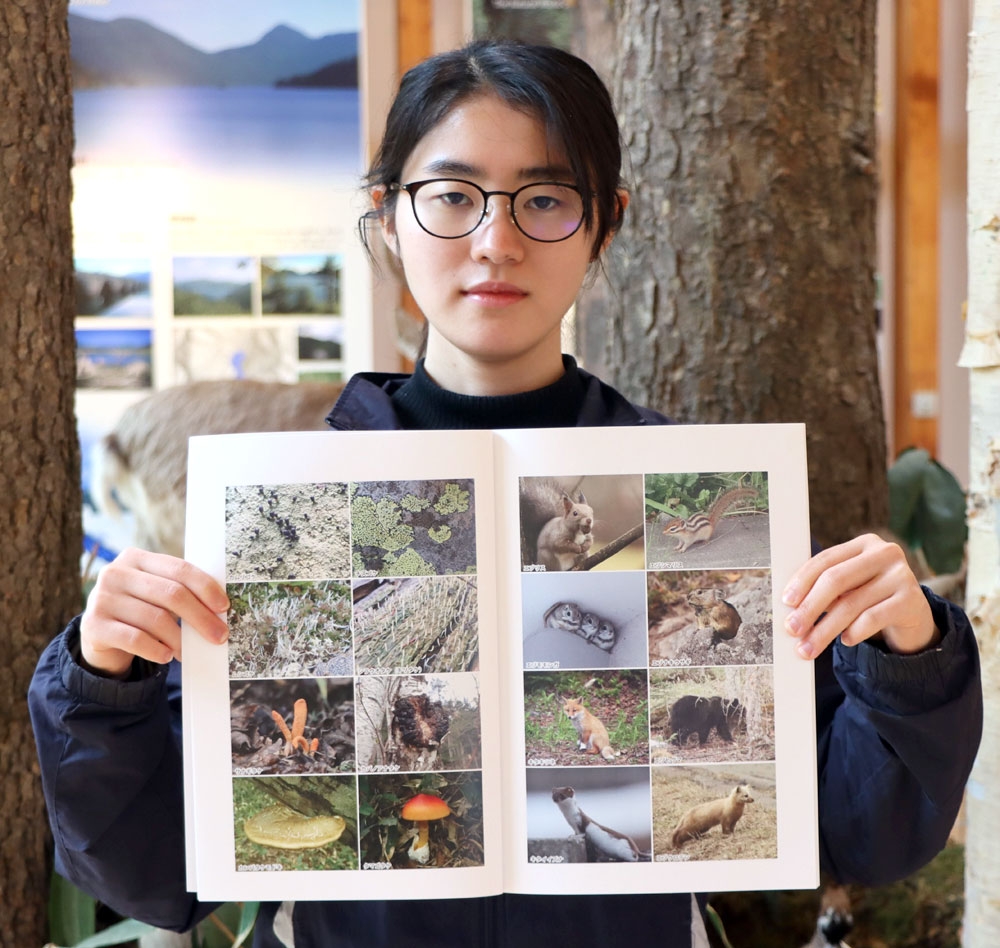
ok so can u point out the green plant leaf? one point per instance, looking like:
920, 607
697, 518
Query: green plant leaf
906, 481
248, 917
71, 912
118, 934
927, 509
941, 520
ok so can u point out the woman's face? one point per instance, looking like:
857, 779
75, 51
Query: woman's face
494, 299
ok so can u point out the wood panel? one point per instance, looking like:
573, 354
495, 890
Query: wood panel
916, 231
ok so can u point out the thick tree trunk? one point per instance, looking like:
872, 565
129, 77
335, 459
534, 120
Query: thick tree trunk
982, 355
39, 470
742, 286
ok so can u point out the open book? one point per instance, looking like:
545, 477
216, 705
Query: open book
468, 662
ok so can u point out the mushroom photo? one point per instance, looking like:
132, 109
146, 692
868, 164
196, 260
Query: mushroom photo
416, 820
422, 809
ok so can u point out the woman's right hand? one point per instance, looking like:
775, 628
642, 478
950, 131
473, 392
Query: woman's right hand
134, 607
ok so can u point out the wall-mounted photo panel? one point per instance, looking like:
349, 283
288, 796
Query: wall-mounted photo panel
585, 815
418, 624
584, 620
214, 286
287, 531
586, 718
708, 715
250, 91
591, 522
108, 286
321, 340
295, 823
114, 358
306, 284
289, 630
707, 520
722, 812
267, 354
418, 723
710, 617
417, 821
292, 726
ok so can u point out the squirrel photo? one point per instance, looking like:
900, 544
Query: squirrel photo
556, 528
700, 527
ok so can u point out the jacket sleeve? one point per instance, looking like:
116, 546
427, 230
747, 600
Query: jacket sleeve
897, 737
111, 771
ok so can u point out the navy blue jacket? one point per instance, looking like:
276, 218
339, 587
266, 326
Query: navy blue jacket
896, 737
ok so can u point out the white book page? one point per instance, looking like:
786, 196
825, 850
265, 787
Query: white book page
700, 772
361, 671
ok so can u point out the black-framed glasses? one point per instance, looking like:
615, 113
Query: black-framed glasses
450, 208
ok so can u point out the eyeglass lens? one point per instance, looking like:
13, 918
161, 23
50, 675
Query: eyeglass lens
452, 208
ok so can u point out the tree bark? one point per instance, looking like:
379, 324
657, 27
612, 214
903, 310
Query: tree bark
742, 286
981, 354
40, 471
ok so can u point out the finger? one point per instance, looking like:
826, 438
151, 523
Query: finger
806, 575
171, 586
857, 615
834, 572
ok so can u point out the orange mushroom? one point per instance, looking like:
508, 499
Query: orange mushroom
423, 808
294, 739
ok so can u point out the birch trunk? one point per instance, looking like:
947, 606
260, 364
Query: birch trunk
982, 356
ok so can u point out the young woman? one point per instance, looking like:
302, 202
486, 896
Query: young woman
497, 187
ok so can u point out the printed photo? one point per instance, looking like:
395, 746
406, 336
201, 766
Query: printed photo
114, 358
289, 726
287, 531
707, 520
419, 723
300, 283
424, 624
296, 823
214, 286
707, 715
586, 718
587, 815
322, 341
289, 630
584, 522
416, 821
715, 812
710, 617
112, 287
232, 90
267, 354
413, 528
584, 620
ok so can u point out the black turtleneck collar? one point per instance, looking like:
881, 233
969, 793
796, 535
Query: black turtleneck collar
422, 404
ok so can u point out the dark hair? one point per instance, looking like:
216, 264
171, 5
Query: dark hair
561, 89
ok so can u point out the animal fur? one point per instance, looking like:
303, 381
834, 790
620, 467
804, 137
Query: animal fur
701, 818
142, 464
693, 714
603, 844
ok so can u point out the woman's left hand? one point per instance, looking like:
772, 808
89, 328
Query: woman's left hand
857, 590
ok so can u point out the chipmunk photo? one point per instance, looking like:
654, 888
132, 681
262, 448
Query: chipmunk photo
700, 527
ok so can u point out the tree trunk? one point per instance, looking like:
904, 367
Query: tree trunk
40, 469
982, 355
742, 286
